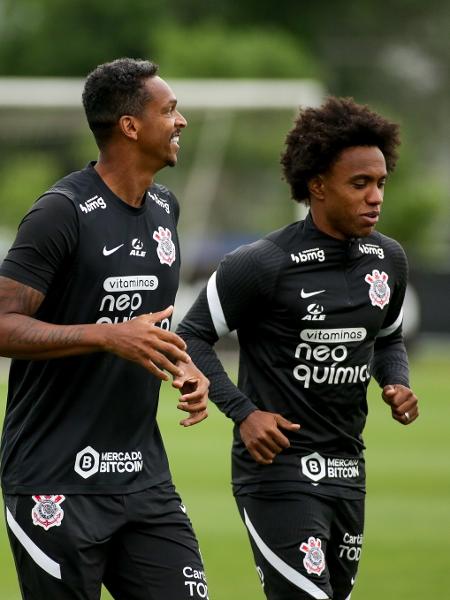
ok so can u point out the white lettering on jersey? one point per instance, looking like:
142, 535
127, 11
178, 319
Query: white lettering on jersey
93, 203
195, 581
371, 249
137, 248
334, 374
315, 313
350, 549
88, 462
334, 336
316, 467
130, 283
160, 202
312, 254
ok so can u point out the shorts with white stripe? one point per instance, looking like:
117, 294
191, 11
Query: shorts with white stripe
141, 546
304, 545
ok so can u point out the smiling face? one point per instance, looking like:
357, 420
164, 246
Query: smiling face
159, 126
346, 200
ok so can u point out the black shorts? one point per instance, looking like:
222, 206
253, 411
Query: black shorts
304, 545
141, 546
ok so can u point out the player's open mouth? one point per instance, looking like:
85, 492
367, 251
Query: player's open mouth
175, 139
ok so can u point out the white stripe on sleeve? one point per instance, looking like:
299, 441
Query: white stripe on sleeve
39, 557
286, 570
215, 307
395, 325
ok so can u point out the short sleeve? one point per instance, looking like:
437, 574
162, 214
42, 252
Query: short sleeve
46, 238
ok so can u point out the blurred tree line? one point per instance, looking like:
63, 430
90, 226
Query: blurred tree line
394, 55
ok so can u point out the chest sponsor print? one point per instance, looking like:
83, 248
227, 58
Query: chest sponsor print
379, 291
372, 249
47, 511
89, 462
137, 248
315, 312
166, 248
309, 255
92, 204
160, 202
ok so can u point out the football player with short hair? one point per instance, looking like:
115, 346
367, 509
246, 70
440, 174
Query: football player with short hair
86, 295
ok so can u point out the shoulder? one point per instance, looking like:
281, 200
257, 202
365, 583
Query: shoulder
264, 253
164, 198
270, 252
288, 236
51, 210
392, 250
74, 186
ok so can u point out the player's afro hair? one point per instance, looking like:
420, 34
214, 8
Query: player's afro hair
114, 89
320, 134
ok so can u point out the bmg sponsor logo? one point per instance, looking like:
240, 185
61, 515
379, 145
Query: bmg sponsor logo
160, 202
371, 249
93, 203
310, 255
88, 462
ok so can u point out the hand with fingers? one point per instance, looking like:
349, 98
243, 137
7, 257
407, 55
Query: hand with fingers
262, 435
194, 388
141, 340
403, 403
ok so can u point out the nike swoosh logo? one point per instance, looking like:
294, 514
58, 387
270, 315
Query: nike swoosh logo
304, 294
108, 252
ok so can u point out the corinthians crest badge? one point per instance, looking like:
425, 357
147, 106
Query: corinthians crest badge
314, 561
379, 291
47, 511
166, 248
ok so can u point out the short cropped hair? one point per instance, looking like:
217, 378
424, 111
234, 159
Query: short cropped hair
321, 134
114, 89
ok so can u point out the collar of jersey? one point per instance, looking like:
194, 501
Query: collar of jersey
313, 231
111, 196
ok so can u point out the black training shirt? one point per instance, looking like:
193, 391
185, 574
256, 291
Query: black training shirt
315, 317
87, 424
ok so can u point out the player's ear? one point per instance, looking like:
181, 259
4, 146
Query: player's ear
316, 187
128, 126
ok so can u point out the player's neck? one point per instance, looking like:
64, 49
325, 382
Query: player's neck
124, 177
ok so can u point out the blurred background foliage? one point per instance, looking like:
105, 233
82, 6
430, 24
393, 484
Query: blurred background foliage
392, 55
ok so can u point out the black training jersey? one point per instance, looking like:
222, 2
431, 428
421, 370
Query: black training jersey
315, 317
86, 424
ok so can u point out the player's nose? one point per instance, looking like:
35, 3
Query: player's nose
375, 195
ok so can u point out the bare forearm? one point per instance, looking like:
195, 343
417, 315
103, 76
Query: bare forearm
27, 338
139, 340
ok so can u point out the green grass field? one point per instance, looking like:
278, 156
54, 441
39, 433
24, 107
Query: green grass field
407, 540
